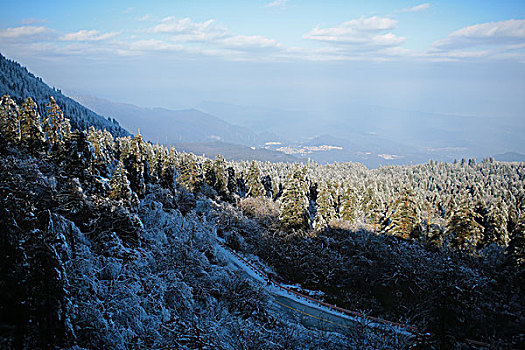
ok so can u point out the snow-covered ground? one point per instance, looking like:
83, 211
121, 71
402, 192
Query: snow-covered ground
275, 290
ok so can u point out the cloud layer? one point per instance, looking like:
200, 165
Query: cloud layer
416, 8
504, 39
364, 38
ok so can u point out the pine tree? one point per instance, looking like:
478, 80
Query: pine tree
208, 173
120, 187
496, 230
56, 127
167, 174
9, 117
516, 247
188, 172
406, 214
348, 207
253, 181
136, 165
371, 206
221, 177
325, 207
463, 225
31, 134
78, 154
293, 209
232, 182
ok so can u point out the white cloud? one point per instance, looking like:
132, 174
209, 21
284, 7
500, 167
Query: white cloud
24, 31
510, 32
492, 40
145, 17
154, 45
359, 34
87, 35
217, 38
416, 8
186, 30
277, 4
249, 43
32, 21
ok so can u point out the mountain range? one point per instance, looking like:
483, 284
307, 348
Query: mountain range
371, 135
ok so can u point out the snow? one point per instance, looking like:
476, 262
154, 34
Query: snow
277, 291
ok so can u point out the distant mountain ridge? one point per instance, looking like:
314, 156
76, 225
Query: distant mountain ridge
382, 132
173, 126
19, 83
510, 157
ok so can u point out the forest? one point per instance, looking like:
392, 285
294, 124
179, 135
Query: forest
109, 242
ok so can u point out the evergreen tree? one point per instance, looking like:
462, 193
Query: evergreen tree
348, 207
31, 134
208, 173
156, 156
56, 127
167, 174
463, 225
102, 143
293, 209
253, 181
188, 172
136, 165
221, 177
406, 214
371, 206
496, 230
120, 186
516, 247
232, 181
9, 117
325, 207
78, 154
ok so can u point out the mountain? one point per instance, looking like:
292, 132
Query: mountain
414, 136
172, 126
510, 157
235, 152
20, 84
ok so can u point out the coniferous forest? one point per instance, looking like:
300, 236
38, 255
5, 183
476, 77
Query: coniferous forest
108, 241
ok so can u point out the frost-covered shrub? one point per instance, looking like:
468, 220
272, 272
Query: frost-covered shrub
262, 208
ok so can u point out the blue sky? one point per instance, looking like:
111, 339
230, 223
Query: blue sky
464, 57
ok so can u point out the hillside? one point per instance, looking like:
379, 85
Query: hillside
172, 126
19, 83
105, 246
116, 242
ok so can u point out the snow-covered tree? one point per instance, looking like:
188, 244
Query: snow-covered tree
405, 218
497, 221
221, 177
31, 134
56, 127
516, 247
293, 209
253, 181
348, 207
120, 186
462, 224
9, 119
325, 207
187, 172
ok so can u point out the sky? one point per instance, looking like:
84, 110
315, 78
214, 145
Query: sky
454, 57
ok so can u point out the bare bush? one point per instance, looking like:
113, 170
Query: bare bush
262, 208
